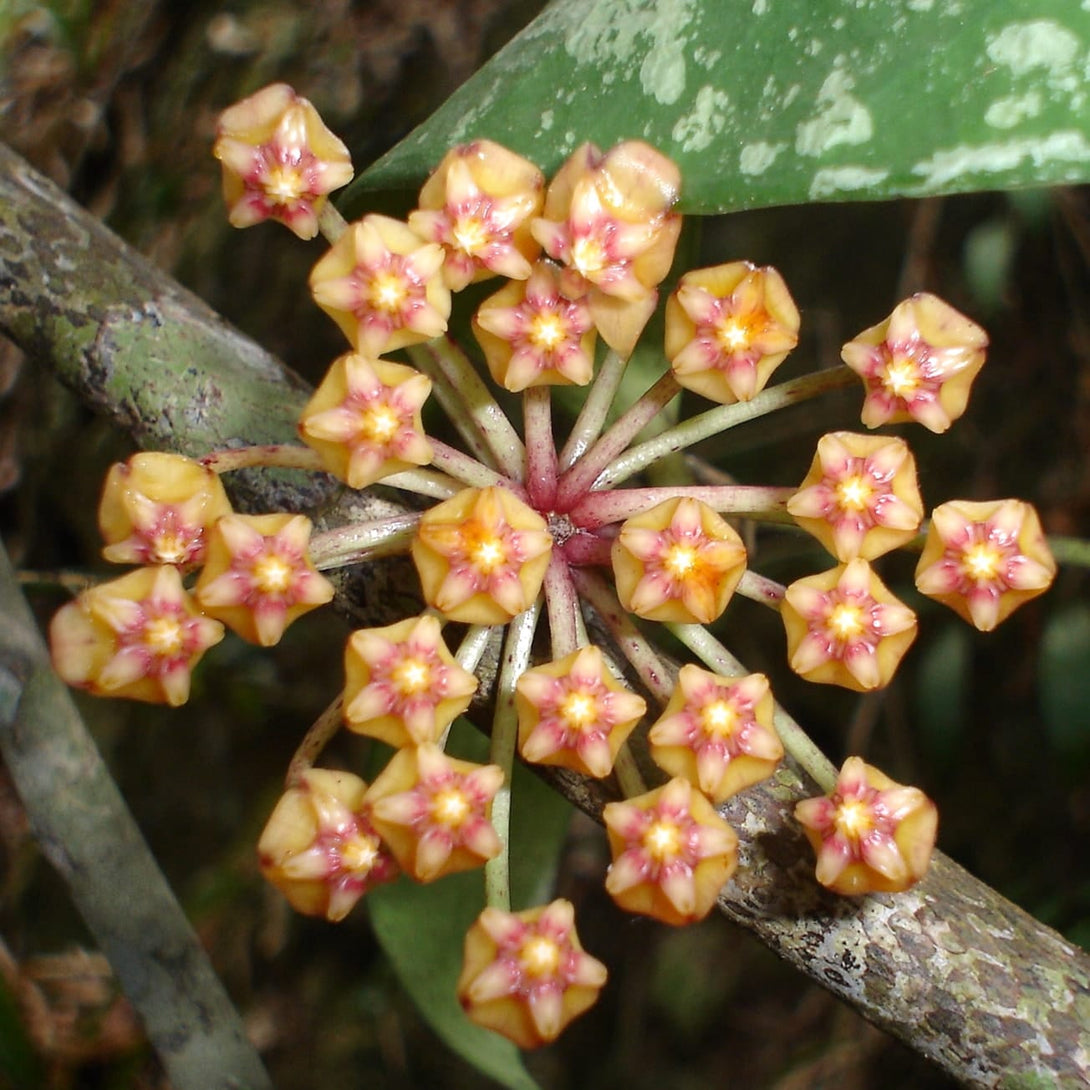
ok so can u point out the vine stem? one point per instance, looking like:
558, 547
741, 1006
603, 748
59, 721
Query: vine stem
581, 476
437, 486
468, 656
598, 509
363, 541
468, 470
795, 740
592, 416
315, 740
278, 455
635, 647
331, 223
566, 630
759, 588
516, 660
541, 465
471, 406
710, 423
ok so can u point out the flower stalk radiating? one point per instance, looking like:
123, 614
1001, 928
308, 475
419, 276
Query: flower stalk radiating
512, 529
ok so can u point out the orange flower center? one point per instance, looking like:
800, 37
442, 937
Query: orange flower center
546, 331
284, 183
981, 562
470, 233
853, 493
172, 546
901, 377
379, 423
163, 636
735, 333
588, 256
854, 819
662, 841
487, 553
718, 719
272, 574
579, 710
359, 852
846, 620
412, 676
680, 561
387, 291
450, 807
539, 956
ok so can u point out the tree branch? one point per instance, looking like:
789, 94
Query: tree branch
951, 968
87, 833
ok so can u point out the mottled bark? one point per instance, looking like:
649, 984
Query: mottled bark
87, 833
954, 970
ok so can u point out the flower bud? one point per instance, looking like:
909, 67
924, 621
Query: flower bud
918, 364
728, 328
672, 853
156, 509
279, 160
383, 286
525, 974
481, 556
680, 562
477, 206
984, 560
319, 847
871, 835
575, 714
845, 628
258, 578
138, 637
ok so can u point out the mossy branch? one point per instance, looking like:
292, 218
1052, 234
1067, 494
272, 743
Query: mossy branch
954, 970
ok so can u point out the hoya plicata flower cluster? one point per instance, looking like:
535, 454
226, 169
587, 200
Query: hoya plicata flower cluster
524, 533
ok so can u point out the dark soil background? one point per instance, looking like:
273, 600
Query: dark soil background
116, 101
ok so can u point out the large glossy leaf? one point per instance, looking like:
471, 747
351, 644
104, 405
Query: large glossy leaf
422, 928
768, 102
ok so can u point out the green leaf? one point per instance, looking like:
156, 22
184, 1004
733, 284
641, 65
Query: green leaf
422, 928
765, 102
1064, 684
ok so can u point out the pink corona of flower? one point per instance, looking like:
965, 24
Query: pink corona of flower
525, 975
364, 419
918, 364
477, 206
575, 714
481, 556
433, 812
383, 285
258, 578
871, 835
672, 853
279, 160
608, 220
984, 560
402, 684
138, 637
728, 328
319, 847
533, 335
680, 562
845, 628
717, 732
156, 509
861, 497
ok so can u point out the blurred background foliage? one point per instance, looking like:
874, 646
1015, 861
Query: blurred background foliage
117, 103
